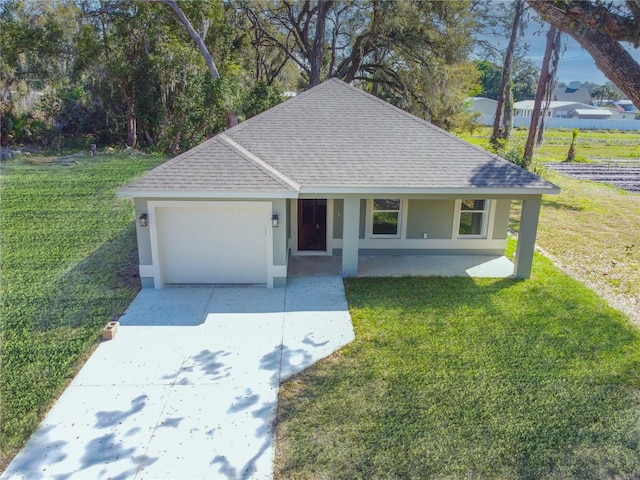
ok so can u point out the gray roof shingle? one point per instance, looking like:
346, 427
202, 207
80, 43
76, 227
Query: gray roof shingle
213, 166
335, 136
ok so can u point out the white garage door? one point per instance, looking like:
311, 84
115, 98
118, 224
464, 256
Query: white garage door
216, 243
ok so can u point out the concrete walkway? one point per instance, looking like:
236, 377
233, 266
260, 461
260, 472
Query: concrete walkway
188, 388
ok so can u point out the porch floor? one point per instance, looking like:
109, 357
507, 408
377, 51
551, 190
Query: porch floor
479, 266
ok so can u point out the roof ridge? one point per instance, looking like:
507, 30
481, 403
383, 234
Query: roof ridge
286, 103
258, 162
434, 127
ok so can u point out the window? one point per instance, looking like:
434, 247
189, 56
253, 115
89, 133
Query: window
386, 217
473, 218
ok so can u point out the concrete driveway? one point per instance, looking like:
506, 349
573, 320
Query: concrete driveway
188, 387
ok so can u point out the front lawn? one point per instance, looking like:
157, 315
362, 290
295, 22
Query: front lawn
68, 245
469, 378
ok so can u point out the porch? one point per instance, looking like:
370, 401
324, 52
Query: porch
478, 266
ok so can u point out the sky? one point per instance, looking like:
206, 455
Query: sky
575, 62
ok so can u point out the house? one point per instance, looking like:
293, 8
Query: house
559, 109
625, 110
332, 171
592, 113
573, 93
483, 105
626, 105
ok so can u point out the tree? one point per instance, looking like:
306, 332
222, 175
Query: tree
502, 121
547, 73
36, 51
607, 91
382, 45
142, 73
525, 79
490, 77
263, 62
571, 154
36, 41
171, 97
195, 36
600, 28
549, 81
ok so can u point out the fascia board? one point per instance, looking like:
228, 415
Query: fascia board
203, 194
551, 190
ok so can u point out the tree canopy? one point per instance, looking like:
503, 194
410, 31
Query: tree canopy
402, 50
163, 75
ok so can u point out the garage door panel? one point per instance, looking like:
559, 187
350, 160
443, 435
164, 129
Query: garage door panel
218, 244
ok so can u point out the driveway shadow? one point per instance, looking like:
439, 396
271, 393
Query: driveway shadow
168, 307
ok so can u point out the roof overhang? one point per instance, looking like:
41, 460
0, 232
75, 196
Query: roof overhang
314, 192
368, 191
594, 112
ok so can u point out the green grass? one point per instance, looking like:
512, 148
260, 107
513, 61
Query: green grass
68, 266
591, 145
591, 229
469, 378
594, 230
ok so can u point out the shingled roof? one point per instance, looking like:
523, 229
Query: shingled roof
335, 138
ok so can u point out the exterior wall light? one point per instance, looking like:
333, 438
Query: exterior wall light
274, 221
143, 220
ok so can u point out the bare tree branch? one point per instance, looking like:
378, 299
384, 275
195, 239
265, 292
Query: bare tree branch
634, 7
595, 16
194, 36
318, 43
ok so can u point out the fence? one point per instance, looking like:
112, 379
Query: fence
571, 123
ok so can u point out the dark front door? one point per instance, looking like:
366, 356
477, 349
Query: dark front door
312, 224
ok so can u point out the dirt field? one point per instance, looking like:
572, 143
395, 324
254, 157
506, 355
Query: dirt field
620, 174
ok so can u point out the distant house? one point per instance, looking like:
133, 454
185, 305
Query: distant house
625, 110
573, 93
626, 105
592, 113
564, 110
483, 105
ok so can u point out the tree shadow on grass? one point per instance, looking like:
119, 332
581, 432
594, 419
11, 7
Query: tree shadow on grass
561, 206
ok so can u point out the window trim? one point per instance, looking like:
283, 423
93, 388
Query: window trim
486, 219
371, 212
